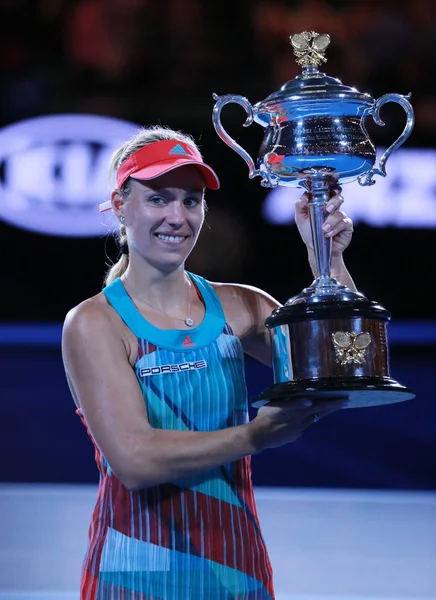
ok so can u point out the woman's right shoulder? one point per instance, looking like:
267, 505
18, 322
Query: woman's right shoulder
93, 315
93, 325
91, 308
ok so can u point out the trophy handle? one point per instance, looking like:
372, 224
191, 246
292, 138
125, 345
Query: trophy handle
221, 101
374, 111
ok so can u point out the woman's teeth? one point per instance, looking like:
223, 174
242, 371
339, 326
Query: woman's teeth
173, 239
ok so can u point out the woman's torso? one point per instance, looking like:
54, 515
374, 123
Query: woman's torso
191, 538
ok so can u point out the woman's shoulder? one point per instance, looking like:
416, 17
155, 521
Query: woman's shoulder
238, 292
245, 306
92, 316
95, 307
95, 321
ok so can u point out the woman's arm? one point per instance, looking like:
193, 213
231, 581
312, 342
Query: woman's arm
105, 387
257, 306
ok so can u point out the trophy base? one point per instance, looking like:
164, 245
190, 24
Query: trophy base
359, 391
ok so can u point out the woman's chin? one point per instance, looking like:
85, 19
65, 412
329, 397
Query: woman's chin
167, 266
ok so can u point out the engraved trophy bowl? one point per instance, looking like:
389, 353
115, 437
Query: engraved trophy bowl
327, 341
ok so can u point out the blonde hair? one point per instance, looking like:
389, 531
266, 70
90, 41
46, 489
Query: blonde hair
145, 136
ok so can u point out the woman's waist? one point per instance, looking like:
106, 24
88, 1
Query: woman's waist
225, 488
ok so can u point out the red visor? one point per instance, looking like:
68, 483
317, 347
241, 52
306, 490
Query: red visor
158, 158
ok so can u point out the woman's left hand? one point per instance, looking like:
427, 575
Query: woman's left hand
337, 225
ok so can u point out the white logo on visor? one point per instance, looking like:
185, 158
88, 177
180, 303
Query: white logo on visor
54, 172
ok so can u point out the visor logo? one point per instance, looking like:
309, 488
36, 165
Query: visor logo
178, 149
54, 173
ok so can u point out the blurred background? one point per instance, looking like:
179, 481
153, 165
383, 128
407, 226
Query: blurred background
147, 62
79, 77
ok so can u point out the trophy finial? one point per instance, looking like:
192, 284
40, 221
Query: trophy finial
309, 47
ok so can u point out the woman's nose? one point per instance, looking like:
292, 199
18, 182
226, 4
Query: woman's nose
176, 213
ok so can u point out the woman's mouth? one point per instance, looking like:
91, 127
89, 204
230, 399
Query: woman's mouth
171, 239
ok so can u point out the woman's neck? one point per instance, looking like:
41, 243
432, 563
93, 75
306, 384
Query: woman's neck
166, 290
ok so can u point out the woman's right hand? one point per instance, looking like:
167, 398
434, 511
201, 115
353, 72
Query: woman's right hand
278, 423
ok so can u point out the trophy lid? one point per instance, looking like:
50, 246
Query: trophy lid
309, 48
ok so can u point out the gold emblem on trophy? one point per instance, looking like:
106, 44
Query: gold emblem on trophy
350, 347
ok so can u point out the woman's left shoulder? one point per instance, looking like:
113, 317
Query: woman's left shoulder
245, 306
242, 292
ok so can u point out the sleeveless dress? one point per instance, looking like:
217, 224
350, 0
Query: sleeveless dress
197, 537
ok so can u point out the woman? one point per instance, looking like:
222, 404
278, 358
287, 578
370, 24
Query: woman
155, 366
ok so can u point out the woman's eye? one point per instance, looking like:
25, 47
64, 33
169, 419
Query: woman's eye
156, 200
191, 202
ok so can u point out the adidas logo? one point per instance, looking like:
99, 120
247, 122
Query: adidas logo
187, 342
178, 149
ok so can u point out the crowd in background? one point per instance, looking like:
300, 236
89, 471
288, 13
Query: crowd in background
147, 62
124, 57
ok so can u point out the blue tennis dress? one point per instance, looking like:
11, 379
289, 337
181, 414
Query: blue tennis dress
194, 538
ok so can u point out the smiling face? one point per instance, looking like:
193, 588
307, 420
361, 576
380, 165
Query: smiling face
164, 216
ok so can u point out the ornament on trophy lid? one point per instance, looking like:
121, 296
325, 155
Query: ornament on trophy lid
309, 47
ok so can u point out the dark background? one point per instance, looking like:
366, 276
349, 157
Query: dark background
159, 62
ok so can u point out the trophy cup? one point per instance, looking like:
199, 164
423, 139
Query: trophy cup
327, 341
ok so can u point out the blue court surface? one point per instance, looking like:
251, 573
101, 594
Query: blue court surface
323, 544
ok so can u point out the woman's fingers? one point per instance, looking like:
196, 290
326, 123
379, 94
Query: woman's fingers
334, 204
336, 223
306, 405
331, 206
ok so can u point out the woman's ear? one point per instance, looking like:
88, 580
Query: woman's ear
117, 203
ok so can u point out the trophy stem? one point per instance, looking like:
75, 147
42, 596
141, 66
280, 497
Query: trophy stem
322, 245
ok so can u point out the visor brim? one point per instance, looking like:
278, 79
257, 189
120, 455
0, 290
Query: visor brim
157, 169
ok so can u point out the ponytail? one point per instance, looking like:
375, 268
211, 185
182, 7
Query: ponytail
119, 267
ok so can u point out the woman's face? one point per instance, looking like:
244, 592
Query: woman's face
164, 216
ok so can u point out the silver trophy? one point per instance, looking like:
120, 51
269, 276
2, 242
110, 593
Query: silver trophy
327, 340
